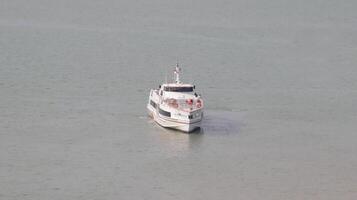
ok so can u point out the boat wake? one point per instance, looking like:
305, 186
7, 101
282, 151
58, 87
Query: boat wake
222, 122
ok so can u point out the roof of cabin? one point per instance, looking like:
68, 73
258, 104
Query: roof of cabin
177, 85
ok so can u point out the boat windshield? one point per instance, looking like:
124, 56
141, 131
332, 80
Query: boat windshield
178, 89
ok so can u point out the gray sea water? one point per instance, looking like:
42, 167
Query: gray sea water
279, 79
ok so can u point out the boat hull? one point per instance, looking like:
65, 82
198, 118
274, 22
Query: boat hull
172, 123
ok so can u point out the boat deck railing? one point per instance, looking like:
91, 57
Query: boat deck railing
186, 105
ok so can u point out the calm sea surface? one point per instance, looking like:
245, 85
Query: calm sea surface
279, 79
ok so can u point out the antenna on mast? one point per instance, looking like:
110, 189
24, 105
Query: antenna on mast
165, 75
177, 73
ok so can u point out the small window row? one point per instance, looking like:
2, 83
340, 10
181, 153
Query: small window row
153, 104
178, 89
164, 113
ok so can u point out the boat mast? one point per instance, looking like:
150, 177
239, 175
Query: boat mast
177, 74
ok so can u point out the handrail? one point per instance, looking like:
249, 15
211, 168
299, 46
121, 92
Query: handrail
180, 105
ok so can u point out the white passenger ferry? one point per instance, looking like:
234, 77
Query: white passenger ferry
176, 105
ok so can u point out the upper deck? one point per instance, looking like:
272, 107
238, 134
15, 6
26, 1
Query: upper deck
174, 87
178, 95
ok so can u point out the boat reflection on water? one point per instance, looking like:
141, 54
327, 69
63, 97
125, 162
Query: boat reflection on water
215, 124
177, 143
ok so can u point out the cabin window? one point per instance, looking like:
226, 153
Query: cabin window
190, 116
178, 89
153, 104
164, 113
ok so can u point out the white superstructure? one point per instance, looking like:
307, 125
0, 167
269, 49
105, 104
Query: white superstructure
176, 105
